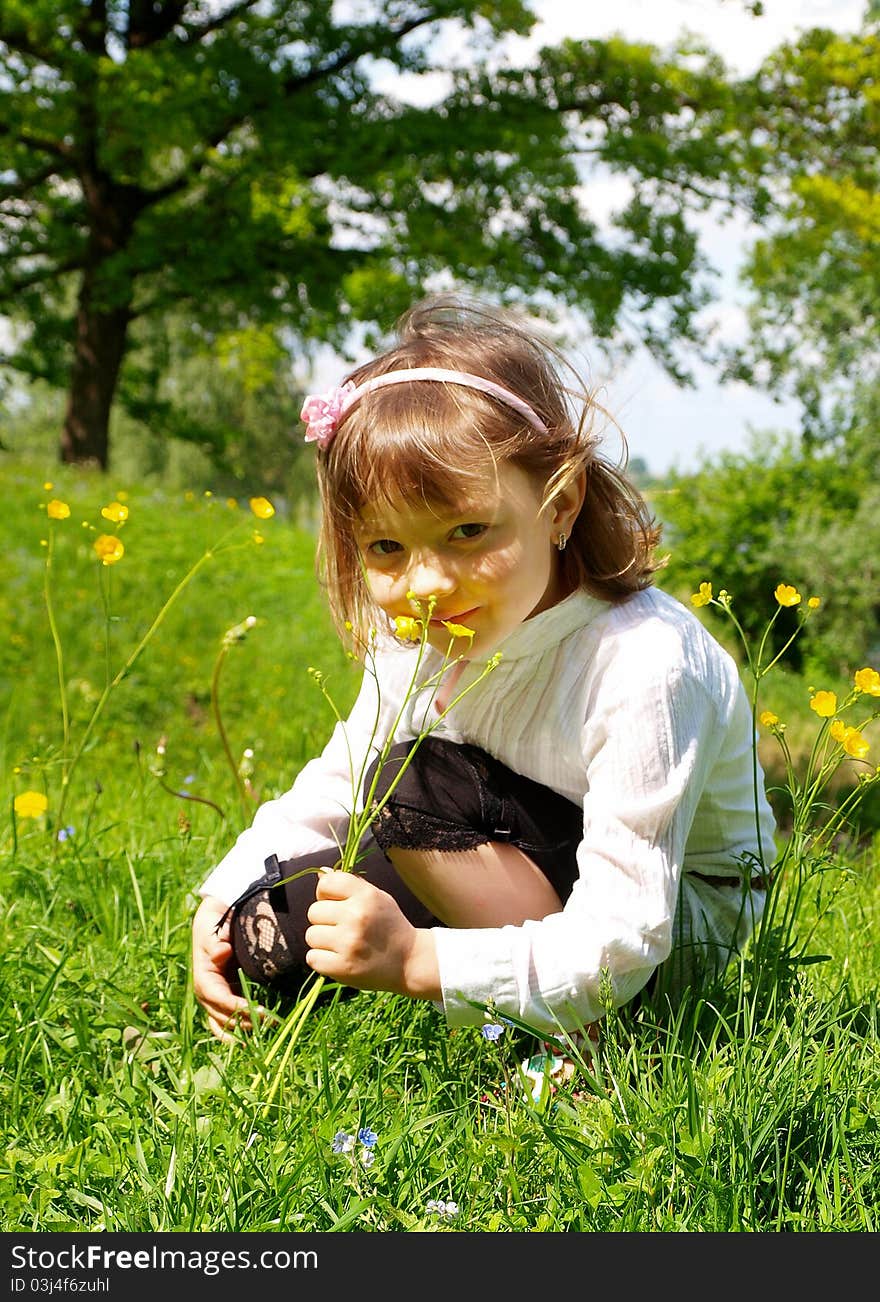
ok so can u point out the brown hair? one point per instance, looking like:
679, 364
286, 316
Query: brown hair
423, 440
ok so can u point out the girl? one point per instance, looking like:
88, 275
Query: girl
584, 820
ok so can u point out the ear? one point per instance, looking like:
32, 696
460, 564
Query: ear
567, 503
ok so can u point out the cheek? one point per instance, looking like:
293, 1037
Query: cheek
505, 566
381, 587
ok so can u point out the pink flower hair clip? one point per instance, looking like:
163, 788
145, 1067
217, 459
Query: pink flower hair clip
322, 412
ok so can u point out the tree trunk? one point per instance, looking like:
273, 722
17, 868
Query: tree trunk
99, 348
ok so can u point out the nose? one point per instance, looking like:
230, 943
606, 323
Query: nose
428, 576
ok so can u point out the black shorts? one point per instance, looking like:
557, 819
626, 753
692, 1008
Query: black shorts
451, 797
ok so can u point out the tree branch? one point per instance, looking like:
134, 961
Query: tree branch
149, 22
18, 189
357, 50
195, 32
39, 275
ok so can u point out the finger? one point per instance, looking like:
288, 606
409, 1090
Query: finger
218, 1029
215, 993
321, 937
326, 912
338, 886
328, 964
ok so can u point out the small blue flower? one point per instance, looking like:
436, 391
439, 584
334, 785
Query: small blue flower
65, 833
342, 1143
444, 1211
190, 777
367, 1137
492, 1031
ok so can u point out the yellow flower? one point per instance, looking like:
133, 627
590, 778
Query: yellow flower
838, 730
262, 508
814, 603
704, 596
258, 538
786, 595
824, 704
232, 503
31, 804
115, 512
768, 719
407, 628
457, 630
854, 744
48, 486
867, 680
108, 548
57, 510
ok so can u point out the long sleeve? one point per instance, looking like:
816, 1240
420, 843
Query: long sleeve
313, 816
659, 724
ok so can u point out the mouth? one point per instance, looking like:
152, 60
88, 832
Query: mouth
461, 618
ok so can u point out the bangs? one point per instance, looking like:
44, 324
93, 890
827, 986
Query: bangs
431, 451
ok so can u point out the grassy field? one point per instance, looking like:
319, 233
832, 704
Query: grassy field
755, 1107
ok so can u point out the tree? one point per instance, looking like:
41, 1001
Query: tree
812, 114
232, 164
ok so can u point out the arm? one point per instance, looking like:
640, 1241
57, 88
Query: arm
649, 737
308, 818
313, 815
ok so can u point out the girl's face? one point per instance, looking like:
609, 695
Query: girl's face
491, 561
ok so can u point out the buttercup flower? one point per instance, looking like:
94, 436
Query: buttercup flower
867, 680
855, 744
824, 704
457, 630
850, 739
767, 719
704, 596
493, 1031
407, 628
814, 602
262, 508
115, 512
57, 510
31, 804
786, 595
108, 548
342, 1143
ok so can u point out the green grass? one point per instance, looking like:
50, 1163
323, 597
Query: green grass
754, 1108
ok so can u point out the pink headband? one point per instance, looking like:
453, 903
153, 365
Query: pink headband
322, 412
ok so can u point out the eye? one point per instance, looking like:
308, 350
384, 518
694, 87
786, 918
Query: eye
466, 531
384, 547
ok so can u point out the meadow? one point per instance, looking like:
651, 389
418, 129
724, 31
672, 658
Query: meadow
753, 1107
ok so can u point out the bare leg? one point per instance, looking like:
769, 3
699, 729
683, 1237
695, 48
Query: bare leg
492, 885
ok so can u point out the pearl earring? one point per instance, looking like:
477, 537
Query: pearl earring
560, 542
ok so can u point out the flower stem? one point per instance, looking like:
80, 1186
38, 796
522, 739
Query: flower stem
246, 806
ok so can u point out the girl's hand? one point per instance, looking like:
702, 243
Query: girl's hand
212, 961
359, 936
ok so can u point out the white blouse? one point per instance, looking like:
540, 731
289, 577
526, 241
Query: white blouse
631, 709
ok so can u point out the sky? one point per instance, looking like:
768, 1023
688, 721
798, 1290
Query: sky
665, 425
